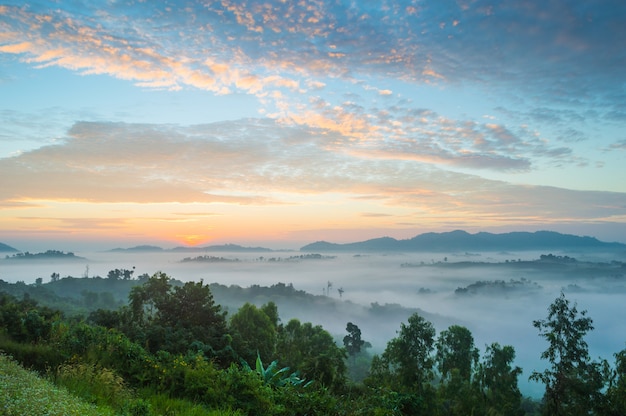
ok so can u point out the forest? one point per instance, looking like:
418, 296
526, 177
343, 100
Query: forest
153, 345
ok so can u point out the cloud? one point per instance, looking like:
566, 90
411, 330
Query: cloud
556, 49
619, 145
264, 163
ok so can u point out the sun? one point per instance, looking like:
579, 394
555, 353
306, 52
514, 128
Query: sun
192, 239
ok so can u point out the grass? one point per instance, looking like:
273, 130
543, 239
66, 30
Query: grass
23, 392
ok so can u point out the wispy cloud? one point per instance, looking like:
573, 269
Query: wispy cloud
557, 49
115, 163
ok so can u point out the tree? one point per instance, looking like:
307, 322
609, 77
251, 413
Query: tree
406, 366
353, 342
253, 332
573, 381
179, 318
408, 357
456, 350
616, 393
312, 351
499, 381
117, 274
456, 359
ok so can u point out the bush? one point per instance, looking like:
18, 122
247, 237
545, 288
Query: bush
96, 385
38, 357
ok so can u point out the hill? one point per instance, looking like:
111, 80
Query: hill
7, 249
48, 255
233, 248
137, 249
462, 241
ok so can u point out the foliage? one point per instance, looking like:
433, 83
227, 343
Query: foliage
253, 332
499, 380
158, 356
312, 351
275, 376
38, 357
573, 381
353, 342
407, 362
170, 318
616, 393
24, 321
93, 383
456, 350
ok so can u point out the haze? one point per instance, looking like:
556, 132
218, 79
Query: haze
492, 315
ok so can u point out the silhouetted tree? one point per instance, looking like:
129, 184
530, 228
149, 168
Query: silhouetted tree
353, 342
573, 381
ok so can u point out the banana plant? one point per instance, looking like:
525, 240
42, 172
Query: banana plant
275, 376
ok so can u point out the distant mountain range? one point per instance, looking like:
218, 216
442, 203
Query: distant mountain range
464, 241
232, 248
137, 249
438, 242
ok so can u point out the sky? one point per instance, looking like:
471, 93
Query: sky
281, 123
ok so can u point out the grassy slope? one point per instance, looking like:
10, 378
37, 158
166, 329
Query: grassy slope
23, 392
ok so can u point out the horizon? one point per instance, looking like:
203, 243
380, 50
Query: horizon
103, 246
199, 123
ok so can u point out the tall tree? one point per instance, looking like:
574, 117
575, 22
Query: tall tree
573, 381
408, 357
499, 381
616, 393
456, 350
456, 359
353, 342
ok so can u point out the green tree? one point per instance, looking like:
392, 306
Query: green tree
253, 333
407, 360
573, 381
456, 359
353, 342
456, 350
616, 393
313, 352
176, 319
499, 381
406, 367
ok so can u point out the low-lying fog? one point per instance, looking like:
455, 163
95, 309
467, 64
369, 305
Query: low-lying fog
419, 280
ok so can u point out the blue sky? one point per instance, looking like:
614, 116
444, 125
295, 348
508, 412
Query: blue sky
286, 122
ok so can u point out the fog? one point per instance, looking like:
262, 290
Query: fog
424, 281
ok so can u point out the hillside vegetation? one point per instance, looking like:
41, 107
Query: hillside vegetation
170, 349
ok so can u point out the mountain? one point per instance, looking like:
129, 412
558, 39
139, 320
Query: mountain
137, 249
233, 248
463, 241
7, 249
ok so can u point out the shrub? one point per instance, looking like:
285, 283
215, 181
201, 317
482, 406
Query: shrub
94, 384
38, 357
